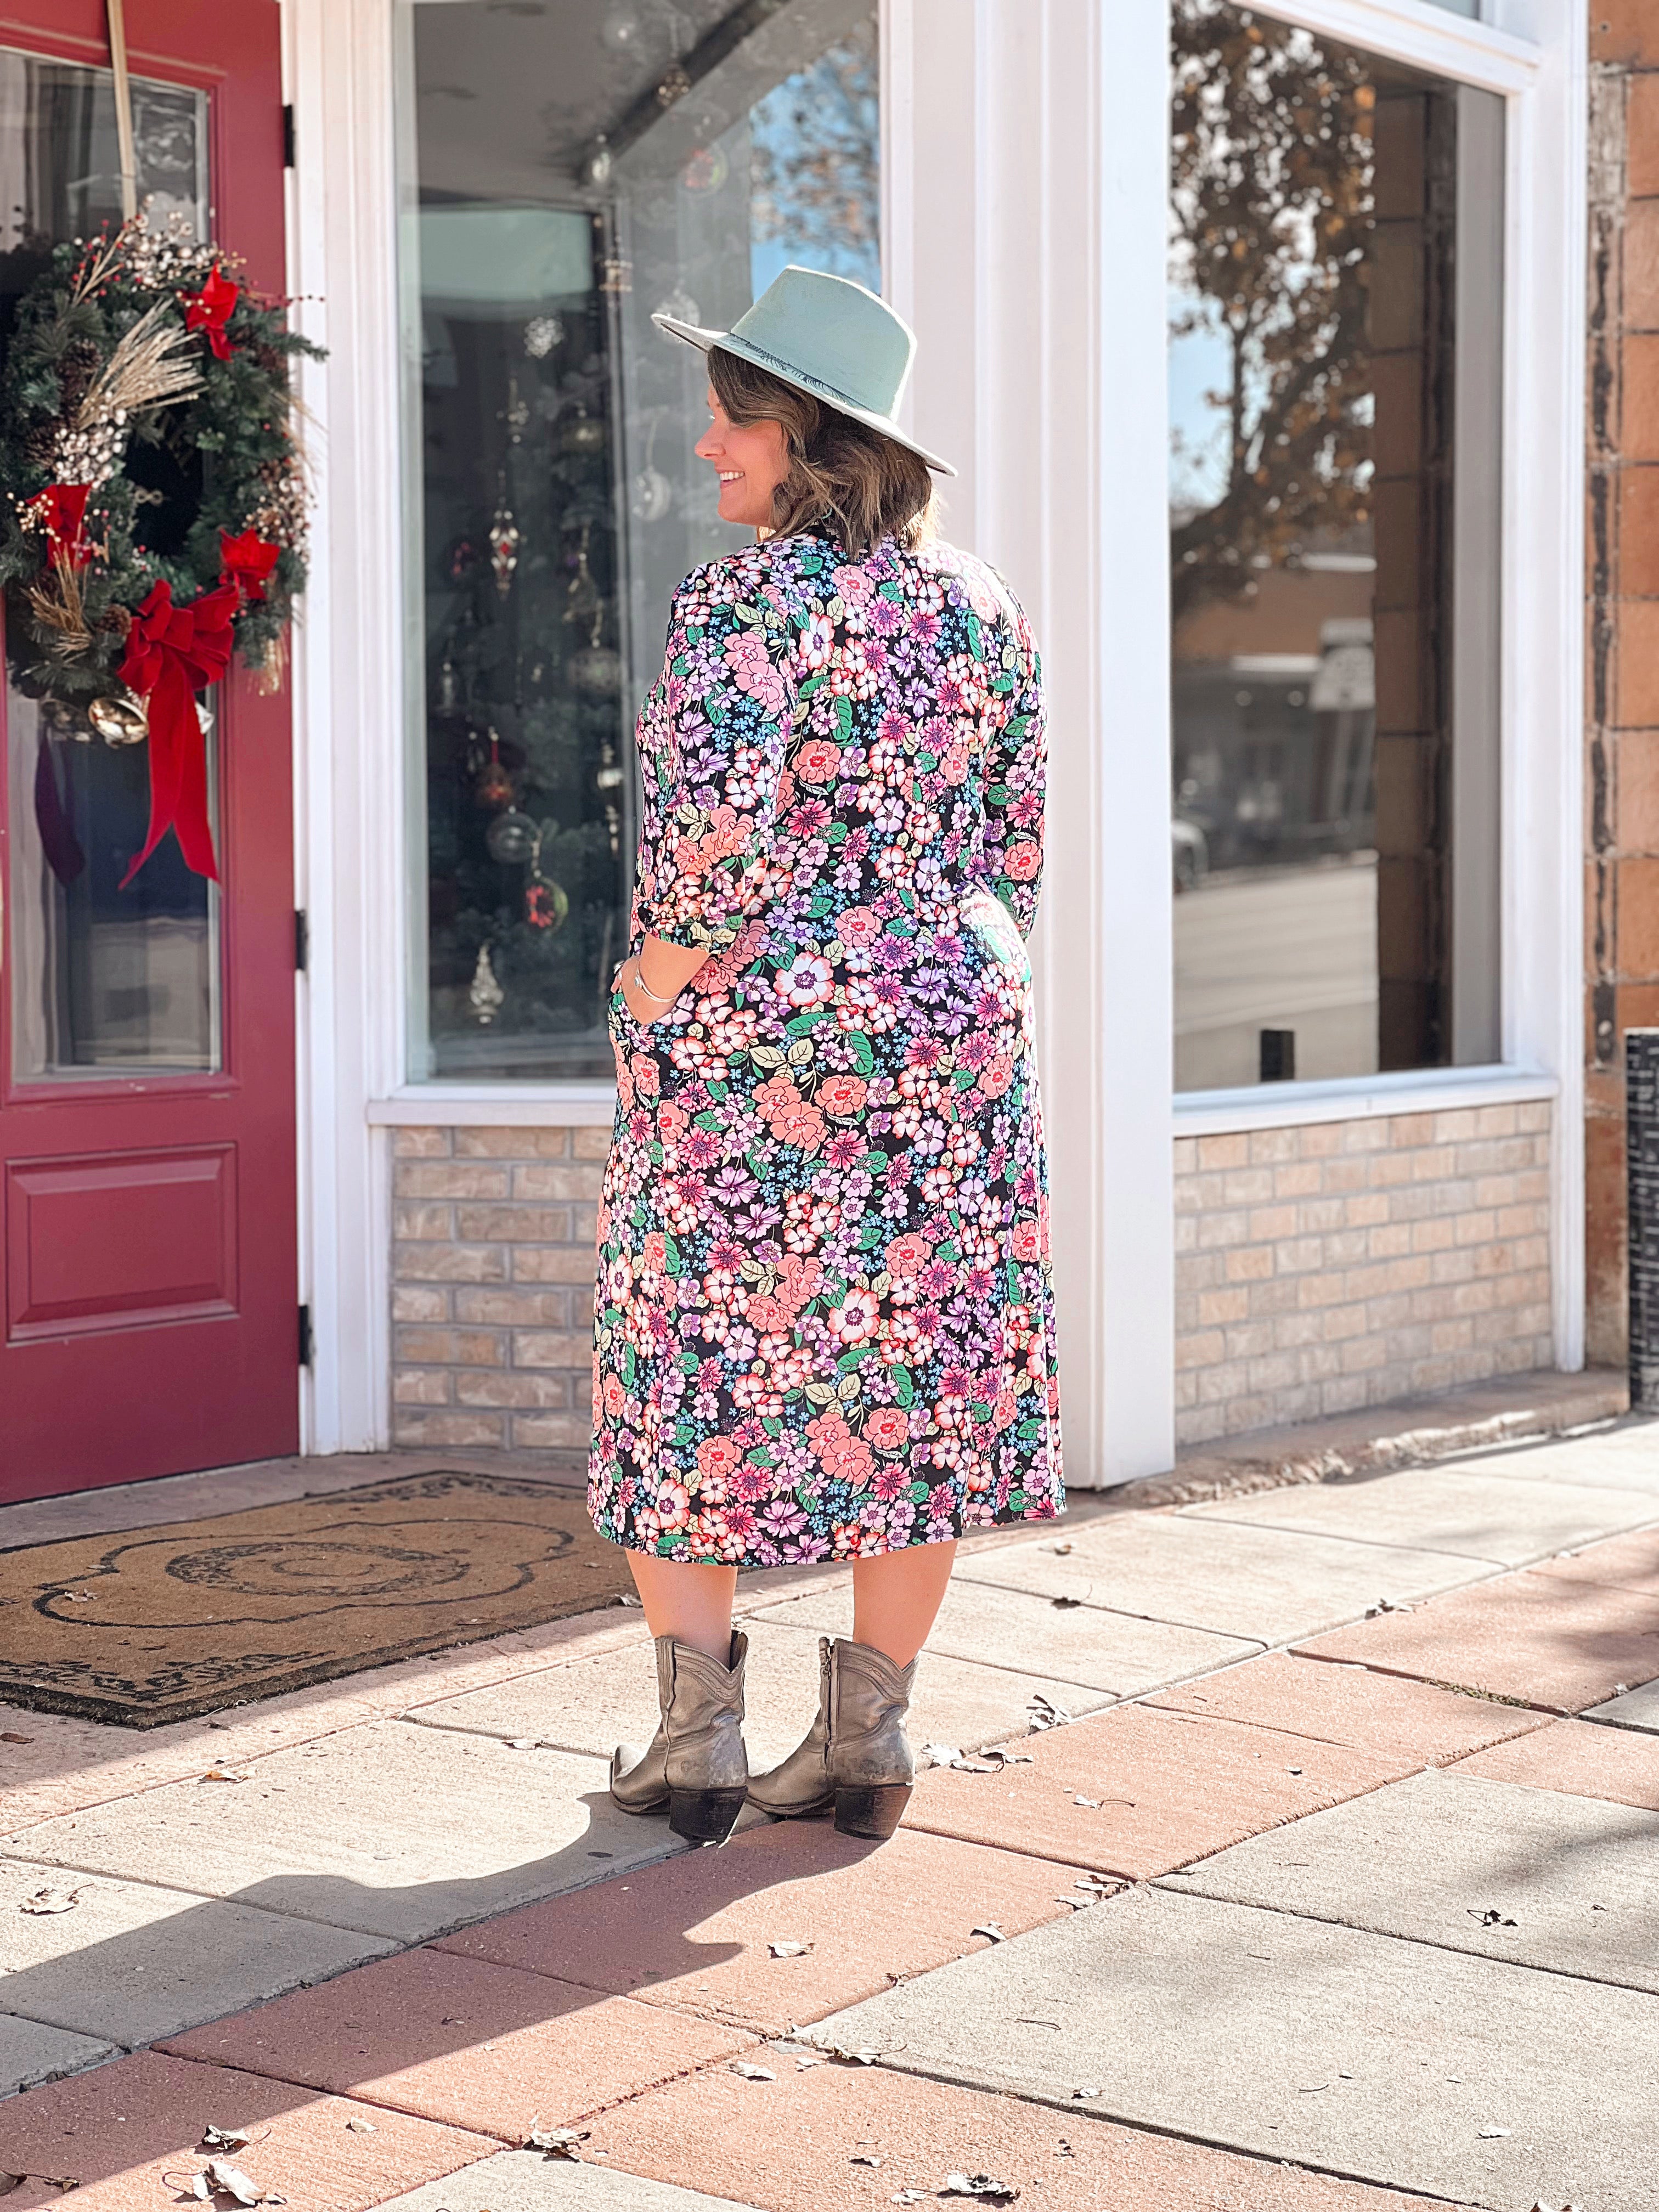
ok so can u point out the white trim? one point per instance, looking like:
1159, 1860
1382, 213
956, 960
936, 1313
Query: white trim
349, 752
1429, 37
1298, 1105
494, 1106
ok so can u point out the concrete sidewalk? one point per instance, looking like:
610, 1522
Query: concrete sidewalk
1337, 1886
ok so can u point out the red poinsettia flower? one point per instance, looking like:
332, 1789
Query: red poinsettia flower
61, 510
210, 309
246, 562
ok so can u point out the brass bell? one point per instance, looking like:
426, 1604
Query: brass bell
123, 721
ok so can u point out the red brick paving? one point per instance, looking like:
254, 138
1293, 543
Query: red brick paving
463, 2042
119, 2129
1388, 1715
1550, 1641
1167, 1788
1580, 1759
695, 1931
1629, 1562
789, 2144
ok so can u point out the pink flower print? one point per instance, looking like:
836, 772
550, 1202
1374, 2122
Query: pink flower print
808, 980
754, 673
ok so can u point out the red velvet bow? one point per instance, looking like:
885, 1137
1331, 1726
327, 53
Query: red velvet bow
61, 512
209, 310
171, 653
247, 562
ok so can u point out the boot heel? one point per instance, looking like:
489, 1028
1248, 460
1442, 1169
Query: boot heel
705, 1816
873, 1810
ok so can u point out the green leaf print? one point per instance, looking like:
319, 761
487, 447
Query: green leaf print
903, 1388
864, 1056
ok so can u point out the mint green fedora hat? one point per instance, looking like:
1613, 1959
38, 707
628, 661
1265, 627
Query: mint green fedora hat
827, 337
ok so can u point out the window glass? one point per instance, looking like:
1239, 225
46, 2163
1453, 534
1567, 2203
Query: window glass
103, 979
1336, 241
571, 167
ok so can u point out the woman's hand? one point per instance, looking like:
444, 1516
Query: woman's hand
666, 969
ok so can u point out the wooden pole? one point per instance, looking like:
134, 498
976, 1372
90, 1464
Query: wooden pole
118, 55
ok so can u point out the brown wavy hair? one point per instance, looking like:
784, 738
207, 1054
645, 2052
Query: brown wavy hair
860, 485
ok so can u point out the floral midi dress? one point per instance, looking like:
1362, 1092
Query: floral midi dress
824, 1322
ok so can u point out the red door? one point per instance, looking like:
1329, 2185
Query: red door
146, 1081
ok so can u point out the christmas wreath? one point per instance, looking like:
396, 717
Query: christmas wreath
155, 520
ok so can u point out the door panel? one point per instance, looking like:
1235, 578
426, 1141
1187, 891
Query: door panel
147, 1086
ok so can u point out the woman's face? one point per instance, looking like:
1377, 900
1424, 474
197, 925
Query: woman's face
752, 459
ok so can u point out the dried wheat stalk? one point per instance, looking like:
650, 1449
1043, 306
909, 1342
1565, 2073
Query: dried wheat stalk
144, 369
59, 607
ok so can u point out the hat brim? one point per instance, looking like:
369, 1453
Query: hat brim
703, 340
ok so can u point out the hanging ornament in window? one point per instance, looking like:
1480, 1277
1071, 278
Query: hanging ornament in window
516, 413
511, 839
581, 434
504, 541
707, 171
493, 788
484, 994
651, 495
582, 594
597, 669
621, 28
541, 334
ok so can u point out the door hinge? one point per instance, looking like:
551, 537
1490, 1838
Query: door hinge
307, 1343
288, 135
302, 940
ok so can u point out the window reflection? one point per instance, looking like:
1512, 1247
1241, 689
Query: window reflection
575, 167
1335, 307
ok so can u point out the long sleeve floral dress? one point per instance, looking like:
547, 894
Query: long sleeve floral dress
823, 1325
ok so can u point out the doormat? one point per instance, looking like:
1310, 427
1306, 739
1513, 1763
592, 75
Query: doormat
156, 1625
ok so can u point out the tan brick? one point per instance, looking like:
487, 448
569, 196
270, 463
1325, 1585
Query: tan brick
1185, 1156
1392, 1240
1497, 1191
1216, 1231
1477, 1228
1231, 1151
1344, 1321
572, 1431
412, 1302
1347, 1395
515, 1309
1299, 1255
1274, 1148
1320, 1140
511, 1143
553, 1263
1496, 1121
513, 1224
1216, 1384
1343, 1175
420, 1144
591, 1144
1276, 1371
1535, 1117
1436, 1163
1363, 1355
1269, 1223
1247, 1187
1277, 1295
573, 1179
1291, 1330
1216, 1307
1451, 1335
1318, 1217
548, 1347
423, 1223
450, 1263
450, 1179
1202, 1350
1366, 1136
473, 1431
1186, 1232
1367, 1209
511, 1388
420, 1386
1457, 1265
1406, 1131
1249, 1263
1299, 1179
1252, 1340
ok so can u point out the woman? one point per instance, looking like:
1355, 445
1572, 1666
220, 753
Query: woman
824, 1322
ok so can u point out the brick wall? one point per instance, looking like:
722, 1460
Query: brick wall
1622, 709
493, 1286
1345, 1264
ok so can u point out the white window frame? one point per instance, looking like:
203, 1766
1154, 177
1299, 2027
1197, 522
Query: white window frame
1024, 193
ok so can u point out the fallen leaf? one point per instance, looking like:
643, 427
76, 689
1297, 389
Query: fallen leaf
990, 1930
1312, 2089
626, 1598
1063, 1548
224, 2138
863, 2158
907, 2197
1490, 2135
1004, 1758
952, 1755
788, 1949
50, 1900
10, 1735
1084, 2094
359, 2126
1102, 1885
1045, 1714
816, 2059
556, 2143
1387, 1604
980, 2185
231, 2179
1065, 1604
521, 1743
751, 2072
1492, 1917
1093, 1803
220, 1774
862, 2056
1033, 2020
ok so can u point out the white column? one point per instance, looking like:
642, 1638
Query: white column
347, 701
1025, 185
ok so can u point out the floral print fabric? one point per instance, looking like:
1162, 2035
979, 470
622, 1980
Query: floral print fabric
823, 1318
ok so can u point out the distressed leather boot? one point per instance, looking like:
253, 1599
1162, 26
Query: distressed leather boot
695, 1764
856, 1757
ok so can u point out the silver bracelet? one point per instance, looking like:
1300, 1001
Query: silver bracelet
645, 989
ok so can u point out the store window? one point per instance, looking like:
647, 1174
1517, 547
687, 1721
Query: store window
1336, 257
572, 166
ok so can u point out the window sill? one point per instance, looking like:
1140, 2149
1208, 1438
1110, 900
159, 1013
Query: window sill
1356, 1099
495, 1106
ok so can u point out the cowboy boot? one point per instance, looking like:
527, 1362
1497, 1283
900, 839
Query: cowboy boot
695, 1763
856, 1756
